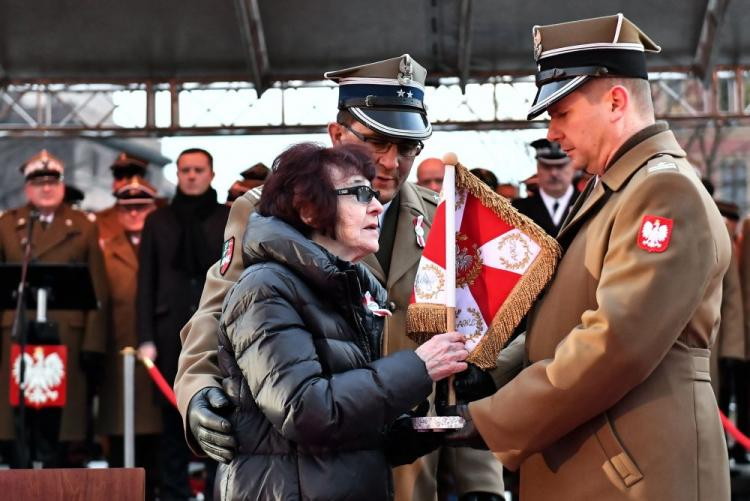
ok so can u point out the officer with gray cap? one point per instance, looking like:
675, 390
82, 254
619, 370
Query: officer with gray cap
614, 400
381, 107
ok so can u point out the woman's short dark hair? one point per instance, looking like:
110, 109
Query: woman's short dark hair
301, 179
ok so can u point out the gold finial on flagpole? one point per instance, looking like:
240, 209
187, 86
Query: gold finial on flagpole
450, 158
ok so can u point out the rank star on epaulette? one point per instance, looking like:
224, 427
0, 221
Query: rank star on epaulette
655, 233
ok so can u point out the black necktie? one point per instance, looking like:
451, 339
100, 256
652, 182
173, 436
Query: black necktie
555, 206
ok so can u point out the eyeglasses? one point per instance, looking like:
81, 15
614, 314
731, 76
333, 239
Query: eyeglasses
364, 194
42, 181
406, 149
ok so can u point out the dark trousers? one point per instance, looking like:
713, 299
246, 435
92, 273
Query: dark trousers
41, 444
146, 457
174, 456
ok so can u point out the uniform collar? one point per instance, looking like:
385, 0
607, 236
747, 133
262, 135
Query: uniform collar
654, 140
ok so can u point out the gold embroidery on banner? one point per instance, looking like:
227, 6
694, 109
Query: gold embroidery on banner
468, 266
475, 322
517, 249
429, 282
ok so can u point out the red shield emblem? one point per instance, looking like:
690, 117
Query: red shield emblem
655, 233
45, 375
226, 255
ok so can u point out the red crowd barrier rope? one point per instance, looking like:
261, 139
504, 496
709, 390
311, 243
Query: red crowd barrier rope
730, 428
159, 380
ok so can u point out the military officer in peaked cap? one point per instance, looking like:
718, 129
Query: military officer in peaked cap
124, 169
135, 201
556, 192
615, 400
60, 235
381, 106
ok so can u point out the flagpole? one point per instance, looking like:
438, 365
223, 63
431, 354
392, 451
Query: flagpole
449, 194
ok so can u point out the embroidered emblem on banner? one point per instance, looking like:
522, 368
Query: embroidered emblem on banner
374, 307
227, 251
655, 233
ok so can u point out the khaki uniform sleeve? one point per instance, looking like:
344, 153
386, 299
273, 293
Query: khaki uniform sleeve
197, 367
95, 336
730, 342
620, 343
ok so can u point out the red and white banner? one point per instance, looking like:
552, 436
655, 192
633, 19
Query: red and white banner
502, 262
45, 378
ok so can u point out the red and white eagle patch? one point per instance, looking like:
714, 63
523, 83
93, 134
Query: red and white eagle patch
227, 252
655, 233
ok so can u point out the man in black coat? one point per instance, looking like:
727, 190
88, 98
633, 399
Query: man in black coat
556, 194
178, 244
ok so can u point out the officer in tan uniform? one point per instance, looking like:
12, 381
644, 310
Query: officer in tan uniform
61, 235
615, 400
123, 170
380, 106
135, 201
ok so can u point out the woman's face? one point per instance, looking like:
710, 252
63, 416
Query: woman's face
357, 228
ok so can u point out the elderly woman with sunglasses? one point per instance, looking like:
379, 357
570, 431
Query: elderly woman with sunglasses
301, 336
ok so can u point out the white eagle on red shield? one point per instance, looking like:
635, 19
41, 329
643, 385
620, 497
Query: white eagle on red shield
44, 375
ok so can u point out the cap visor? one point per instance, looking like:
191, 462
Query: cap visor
552, 92
394, 123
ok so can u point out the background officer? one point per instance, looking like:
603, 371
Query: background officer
391, 121
135, 201
60, 235
123, 170
556, 193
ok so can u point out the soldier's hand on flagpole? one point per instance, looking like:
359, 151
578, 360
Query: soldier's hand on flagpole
468, 436
443, 355
473, 384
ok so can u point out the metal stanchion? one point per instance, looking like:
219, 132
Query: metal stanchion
128, 374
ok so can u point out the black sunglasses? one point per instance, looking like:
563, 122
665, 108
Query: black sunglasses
364, 193
406, 149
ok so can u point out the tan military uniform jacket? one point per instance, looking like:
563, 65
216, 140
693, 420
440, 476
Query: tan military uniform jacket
70, 238
474, 470
616, 402
121, 261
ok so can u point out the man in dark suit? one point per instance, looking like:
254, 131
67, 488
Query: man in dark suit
178, 244
556, 191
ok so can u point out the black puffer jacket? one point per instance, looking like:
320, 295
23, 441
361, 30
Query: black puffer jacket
301, 356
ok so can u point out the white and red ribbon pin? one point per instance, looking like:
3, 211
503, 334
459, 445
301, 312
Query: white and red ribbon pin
655, 233
374, 307
419, 230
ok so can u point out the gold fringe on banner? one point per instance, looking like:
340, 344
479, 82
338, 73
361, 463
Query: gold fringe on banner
425, 320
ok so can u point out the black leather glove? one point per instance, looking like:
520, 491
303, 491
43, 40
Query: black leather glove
212, 431
473, 384
468, 436
404, 444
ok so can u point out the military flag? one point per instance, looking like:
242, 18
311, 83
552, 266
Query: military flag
485, 259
